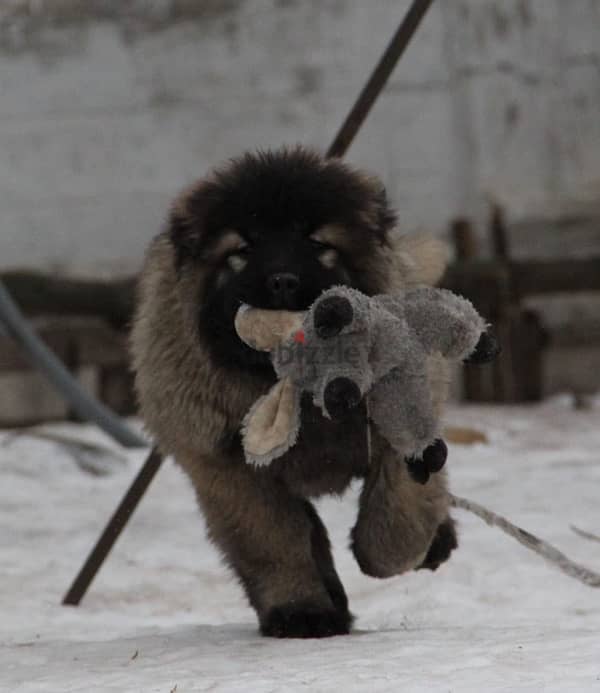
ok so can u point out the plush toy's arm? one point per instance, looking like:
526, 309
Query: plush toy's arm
271, 426
446, 323
400, 406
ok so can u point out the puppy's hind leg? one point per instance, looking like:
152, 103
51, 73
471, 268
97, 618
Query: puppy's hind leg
276, 544
398, 518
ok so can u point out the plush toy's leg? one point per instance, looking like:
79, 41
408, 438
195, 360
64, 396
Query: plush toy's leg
486, 349
398, 518
400, 406
276, 544
443, 321
432, 460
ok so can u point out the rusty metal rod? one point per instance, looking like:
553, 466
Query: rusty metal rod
113, 529
379, 78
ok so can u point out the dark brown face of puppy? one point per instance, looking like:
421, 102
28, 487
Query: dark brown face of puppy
274, 230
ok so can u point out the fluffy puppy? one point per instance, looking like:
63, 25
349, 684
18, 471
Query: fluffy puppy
273, 230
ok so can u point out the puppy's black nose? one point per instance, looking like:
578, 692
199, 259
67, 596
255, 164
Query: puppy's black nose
283, 287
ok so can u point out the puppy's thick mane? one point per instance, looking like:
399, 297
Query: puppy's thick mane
188, 402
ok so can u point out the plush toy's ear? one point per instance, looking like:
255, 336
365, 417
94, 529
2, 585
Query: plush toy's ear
418, 259
331, 315
271, 426
265, 329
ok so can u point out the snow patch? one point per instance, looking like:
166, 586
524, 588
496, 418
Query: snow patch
496, 617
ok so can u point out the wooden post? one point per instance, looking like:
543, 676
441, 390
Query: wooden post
529, 342
465, 241
518, 371
115, 386
505, 314
475, 379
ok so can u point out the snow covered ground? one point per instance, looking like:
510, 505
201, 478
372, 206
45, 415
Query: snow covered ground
164, 615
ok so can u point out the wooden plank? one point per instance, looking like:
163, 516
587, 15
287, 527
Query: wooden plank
94, 343
555, 276
526, 278
41, 294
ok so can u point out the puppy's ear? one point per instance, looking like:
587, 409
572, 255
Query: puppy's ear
386, 216
418, 259
377, 216
189, 216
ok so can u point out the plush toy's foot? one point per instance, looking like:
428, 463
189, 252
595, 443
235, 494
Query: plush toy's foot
486, 349
305, 621
340, 397
444, 542
431, 461
418, 470
435, 455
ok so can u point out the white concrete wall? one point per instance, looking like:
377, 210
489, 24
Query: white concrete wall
108, 108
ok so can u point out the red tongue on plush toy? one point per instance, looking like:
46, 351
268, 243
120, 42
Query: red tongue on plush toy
299, 337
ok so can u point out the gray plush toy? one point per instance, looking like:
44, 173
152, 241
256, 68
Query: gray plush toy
348, 346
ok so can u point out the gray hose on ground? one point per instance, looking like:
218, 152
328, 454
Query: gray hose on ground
42, 357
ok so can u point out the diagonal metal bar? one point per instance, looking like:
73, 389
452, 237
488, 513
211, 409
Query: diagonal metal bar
338, 148
379, 78
113, 529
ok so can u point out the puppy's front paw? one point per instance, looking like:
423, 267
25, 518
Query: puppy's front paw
305, 621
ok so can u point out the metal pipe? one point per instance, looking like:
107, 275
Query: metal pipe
83, 403
378, 78
113, 529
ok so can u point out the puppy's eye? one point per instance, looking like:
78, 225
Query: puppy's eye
238, 258
242, 249
328, 257
319, 246
237, 261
